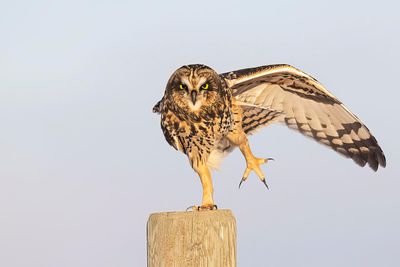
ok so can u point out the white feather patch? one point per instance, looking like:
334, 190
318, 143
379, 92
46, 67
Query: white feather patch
215, 159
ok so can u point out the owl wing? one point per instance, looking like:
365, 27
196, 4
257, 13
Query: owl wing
158, 106
282, 93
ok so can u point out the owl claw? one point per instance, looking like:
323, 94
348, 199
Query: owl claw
253, 164
265, 183
241, 181
202, 207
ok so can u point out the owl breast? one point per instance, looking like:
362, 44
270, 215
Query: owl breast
196, 134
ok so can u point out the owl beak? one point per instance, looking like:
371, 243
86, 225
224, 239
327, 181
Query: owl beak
193, 94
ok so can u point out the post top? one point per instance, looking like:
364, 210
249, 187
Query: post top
193, 214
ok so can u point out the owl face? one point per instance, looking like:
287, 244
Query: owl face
194, 87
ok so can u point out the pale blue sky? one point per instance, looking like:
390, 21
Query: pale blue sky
83, 161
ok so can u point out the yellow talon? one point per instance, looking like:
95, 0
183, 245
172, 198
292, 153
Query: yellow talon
202, 207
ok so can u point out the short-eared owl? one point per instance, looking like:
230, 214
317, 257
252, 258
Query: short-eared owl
206, 115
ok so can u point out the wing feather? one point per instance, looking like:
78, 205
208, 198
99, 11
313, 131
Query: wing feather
281, 93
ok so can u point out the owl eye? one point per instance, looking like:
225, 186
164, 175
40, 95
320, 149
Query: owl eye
205, 86
182, 86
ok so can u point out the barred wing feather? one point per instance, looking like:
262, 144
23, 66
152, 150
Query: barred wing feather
281, 93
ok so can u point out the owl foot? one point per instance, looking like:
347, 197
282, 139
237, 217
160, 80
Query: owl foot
202, 207
253, 164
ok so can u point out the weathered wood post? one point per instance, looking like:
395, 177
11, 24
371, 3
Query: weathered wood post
196, 238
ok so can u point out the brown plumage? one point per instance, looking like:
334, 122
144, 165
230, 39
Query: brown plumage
205, 115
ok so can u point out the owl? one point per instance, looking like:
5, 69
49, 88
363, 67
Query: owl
206, 115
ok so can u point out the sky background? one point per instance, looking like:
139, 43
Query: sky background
83, 161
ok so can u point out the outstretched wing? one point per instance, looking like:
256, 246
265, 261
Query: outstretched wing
281, 93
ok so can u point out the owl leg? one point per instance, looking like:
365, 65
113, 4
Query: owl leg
205, 177
252, 163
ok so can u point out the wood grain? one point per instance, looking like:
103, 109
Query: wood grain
196, 238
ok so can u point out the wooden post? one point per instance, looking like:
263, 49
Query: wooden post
194, 238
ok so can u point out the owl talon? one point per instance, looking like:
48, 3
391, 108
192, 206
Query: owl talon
253, 164
241, 181
244, 178
207, 207
265, 183
191, 208
202, 207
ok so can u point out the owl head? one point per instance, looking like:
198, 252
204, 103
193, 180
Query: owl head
194, 87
